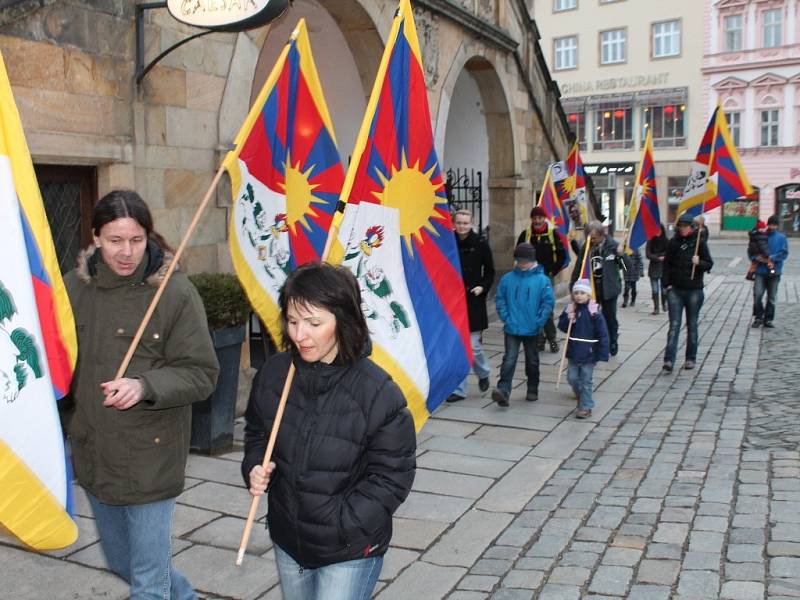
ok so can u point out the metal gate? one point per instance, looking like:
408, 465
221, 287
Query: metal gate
465, 192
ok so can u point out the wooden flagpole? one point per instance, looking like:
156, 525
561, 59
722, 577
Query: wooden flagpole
569, 327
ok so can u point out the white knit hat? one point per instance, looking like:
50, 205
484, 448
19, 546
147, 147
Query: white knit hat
582, 285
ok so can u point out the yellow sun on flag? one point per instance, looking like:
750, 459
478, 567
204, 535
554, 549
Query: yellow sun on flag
299, 195
412, 193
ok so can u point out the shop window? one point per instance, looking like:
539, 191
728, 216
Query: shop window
666, 124
613, 129
577, 124
742, 214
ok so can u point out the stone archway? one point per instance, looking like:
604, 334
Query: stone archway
347, 49
474, 128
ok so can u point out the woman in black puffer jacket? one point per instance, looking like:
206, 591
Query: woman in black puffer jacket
344, 459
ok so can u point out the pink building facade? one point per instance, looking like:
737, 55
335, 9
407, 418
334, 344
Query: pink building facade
751, 65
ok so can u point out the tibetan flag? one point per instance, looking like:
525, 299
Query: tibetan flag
696, 193
646, 220
38, 348
397, 236
556, 213
550, 202
717, 174
286, 176
572, 190
725, 169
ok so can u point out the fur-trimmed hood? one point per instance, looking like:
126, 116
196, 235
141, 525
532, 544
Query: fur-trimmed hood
158, 261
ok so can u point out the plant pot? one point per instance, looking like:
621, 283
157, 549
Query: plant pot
212, 419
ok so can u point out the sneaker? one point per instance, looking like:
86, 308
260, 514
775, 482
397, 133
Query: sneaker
769, 325
531, 396
454, 398
499, 397
583, 413
613, 349
483, 384
688, 365
554, 346
667, 366
757, 323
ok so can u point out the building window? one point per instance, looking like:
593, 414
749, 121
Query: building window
612, 46
771, 28
666, 123
770, 125
734, 126
559, 5
613, 129
577, 124
733, 26
565, 50
666, 39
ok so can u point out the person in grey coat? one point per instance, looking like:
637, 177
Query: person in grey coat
607, 261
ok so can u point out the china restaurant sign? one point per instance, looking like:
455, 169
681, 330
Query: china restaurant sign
227, 15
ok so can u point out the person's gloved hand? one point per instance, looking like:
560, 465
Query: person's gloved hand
570, 310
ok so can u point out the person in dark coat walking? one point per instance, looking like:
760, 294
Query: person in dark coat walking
551, 254
345, 455
683, 280
656, 251
588, 343
477, 270
632, 274
607, 260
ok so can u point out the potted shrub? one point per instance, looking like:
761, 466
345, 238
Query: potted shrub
227, 311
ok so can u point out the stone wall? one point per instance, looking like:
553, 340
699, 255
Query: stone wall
71, 66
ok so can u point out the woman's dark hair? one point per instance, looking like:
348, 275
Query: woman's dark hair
336, 290
121, 204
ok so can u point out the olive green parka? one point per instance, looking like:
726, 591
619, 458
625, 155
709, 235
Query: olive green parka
137, 455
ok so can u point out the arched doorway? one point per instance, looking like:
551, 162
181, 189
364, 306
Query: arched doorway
479, 137
347, 49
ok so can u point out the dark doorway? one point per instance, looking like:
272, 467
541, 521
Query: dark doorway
68, 194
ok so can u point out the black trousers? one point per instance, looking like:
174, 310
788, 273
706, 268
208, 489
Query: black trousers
609, 308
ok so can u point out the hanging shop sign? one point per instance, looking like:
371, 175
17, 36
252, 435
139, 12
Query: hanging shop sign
226, 15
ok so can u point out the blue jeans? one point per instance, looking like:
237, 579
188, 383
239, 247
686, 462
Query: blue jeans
137, 543
692, 302
762, 284
480, 366
509, 364
350, 580
580, 378
655, 286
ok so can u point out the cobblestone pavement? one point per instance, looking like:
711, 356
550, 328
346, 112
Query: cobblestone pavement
683, 485
686, 489
774, 407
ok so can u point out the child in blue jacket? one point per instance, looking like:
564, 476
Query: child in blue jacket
524, 303
588, 343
